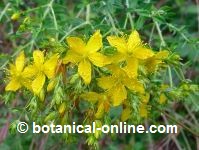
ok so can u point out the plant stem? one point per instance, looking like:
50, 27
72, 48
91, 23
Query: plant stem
4, 11
112, 22
88, 13
170, 77
55, 21
160, 33
129, 15
73, 29
151, 35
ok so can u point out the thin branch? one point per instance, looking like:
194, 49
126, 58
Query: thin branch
4, 10
163, 43
179, 123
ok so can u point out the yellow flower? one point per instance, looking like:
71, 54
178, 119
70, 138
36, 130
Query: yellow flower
84, 54
17, 76
40, 69
116, 84
152, 63
130, 50
143, 108
103, 100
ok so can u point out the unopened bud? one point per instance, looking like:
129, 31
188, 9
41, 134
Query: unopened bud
62, 108
15, 16
50, 117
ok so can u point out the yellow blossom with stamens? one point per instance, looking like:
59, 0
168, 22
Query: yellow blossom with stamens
40, 69
130, 50
16, 74
153, 63
103, 100
116, 84
84, 54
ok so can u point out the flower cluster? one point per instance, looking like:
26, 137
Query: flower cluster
107, 80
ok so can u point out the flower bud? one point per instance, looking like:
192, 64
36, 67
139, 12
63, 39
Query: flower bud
15, 16
50, 117
90, 140
74, 78
145, 98
51, 85
98, 133
162, 98
126, 113
41, 95
62, 108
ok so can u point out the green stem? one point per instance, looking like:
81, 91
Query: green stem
125, 22
112, 23
170, 76
131, 20
163, 43
129, 15
55, 21
151, 35
4, 11
73, 29
88, 13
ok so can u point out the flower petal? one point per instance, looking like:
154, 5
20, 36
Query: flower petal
92, 97
134, 85
132, 67
12, 70
133, 41
119, 95
71, 57
50, 66
38, 58
118, 42
118, 57
99, 59
20, 61
38, 83
13, 85
29, 71
106, 82
76, 44
143, 53
162, 54
84, 70
27, 83
151, 64
95, 42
